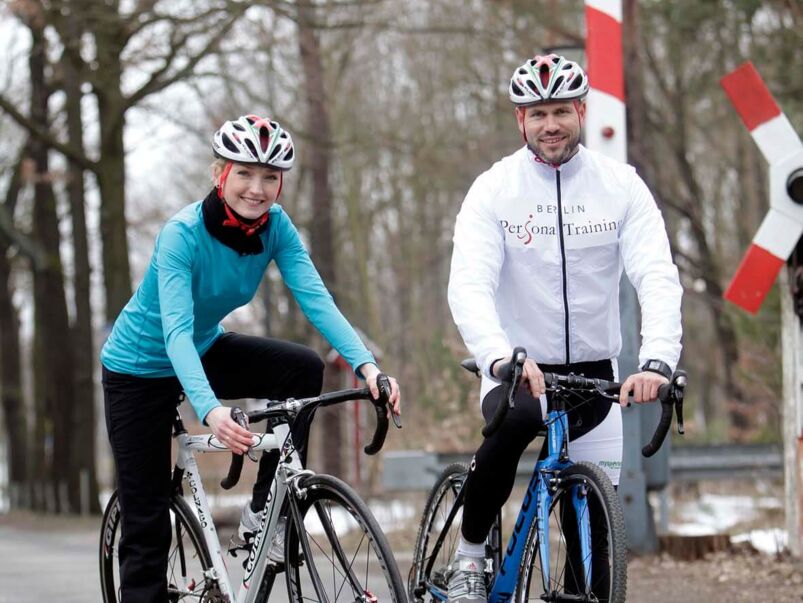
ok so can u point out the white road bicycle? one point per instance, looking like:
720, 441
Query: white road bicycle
334, 548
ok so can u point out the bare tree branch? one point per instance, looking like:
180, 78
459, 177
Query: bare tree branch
158, 81
45, 136
8, 232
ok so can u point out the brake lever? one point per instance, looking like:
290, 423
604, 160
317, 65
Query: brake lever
383, 383
239, 417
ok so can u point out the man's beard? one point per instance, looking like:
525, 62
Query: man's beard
568, 151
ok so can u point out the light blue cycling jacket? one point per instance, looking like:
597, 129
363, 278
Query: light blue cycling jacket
193, 281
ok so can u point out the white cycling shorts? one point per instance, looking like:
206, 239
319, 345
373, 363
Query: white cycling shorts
601, 446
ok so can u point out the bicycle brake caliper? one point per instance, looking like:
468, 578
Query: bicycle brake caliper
292, 481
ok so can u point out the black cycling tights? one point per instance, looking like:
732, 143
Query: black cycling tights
493, 469
139, 419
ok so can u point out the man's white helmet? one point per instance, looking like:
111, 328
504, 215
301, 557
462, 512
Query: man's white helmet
547, 78
253, 139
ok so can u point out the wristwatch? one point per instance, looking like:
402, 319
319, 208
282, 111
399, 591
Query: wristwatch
658, 366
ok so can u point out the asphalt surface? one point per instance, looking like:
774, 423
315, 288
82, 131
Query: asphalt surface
56, 559
40, 565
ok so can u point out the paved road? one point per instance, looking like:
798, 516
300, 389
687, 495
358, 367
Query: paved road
56, 559
39, 566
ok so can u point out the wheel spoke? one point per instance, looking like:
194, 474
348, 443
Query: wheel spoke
187, 558
351, 554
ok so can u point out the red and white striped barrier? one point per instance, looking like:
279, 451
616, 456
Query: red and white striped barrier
783, 225
605, 129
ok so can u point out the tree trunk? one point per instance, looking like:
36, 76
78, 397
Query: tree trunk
11, 393
110, 40
318, 158
82, 457
50, 309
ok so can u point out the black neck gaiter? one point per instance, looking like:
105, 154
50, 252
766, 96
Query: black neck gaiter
231, 236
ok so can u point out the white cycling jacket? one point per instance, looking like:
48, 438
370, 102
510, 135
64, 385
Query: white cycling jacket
538, 253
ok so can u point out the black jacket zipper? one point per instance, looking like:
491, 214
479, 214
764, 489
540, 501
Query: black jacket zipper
563, 267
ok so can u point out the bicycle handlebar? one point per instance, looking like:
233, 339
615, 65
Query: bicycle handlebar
285, 408
236, 465
510, 374
670, 395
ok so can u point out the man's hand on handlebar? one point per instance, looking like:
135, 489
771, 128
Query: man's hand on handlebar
228, 432
531, 377
644, 387
370, 371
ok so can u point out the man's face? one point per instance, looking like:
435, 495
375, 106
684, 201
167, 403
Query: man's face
552, 130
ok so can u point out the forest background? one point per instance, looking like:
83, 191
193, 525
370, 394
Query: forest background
107, 108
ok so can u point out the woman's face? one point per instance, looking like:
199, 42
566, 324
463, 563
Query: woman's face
250, 190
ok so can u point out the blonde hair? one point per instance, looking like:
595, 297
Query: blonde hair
217, 166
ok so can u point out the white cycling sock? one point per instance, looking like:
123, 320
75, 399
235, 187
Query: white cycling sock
469, 549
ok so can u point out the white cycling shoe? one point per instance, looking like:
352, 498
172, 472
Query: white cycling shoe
249, 523
467, 581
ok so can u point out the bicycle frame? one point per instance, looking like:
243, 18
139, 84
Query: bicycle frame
535, 507
289, 467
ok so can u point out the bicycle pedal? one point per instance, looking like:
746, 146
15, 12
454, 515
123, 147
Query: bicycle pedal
441, 579
236, 545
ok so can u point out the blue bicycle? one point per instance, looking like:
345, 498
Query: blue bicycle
569, 541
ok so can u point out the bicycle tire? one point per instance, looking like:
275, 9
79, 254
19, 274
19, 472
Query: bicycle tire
341, 543
565, 569
442, 497
187, 584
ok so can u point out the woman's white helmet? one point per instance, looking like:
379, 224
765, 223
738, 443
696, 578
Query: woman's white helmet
254, 139
546, 78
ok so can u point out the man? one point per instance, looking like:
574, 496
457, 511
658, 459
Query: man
539, 247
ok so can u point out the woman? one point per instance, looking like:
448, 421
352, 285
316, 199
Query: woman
208, 260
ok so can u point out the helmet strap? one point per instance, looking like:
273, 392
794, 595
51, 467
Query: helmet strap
221, 181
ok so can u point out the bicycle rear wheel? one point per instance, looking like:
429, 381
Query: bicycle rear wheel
438, 538
338, 551
599, 505
187, 561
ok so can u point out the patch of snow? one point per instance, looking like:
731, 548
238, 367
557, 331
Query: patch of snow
770, 541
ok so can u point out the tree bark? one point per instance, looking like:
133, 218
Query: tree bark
318, 158
110, 39
51, 322
11, 392
84, 423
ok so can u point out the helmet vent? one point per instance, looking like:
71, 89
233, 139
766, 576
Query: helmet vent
275, 152
237, 126
543, 73
264, 138
558, 83
516, 90
251, 147
229, 144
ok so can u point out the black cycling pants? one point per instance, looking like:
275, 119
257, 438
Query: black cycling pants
493, 468
139, 420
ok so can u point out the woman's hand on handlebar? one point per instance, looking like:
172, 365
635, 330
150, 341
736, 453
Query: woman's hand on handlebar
370, 371
644, 387
228, 432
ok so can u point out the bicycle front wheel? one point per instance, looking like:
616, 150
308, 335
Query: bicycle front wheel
439, 535
584, 502
437, 538
187, 561
337, 552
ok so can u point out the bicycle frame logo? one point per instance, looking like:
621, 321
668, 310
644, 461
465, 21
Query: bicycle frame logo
538, 492
259, 537
194, 489
108, 537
